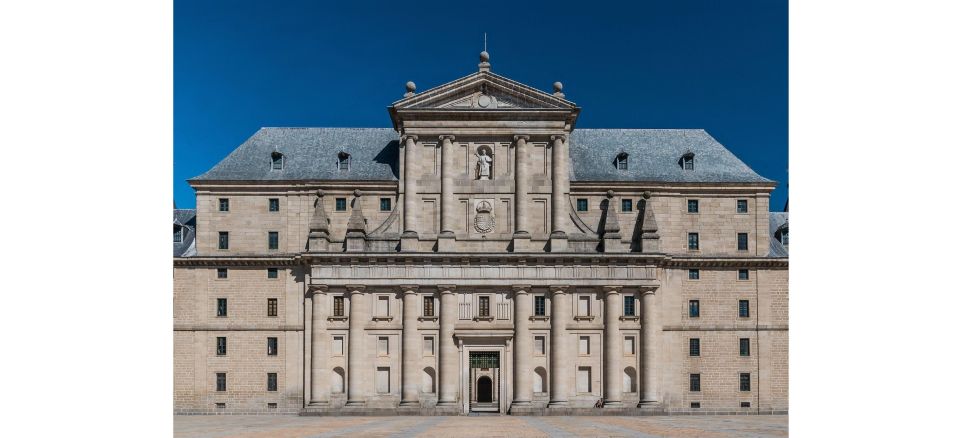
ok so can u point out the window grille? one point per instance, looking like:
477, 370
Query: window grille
485, 359
693, 241
271, 272
337, 306
221, 307
341, 204
385, 204
695, 347
626, 205
582, 204
271, 381
271, 346
694, 308
693, 206
224, 204
224, 240
743, 274
274, 204
427, 306
221, 346
693, 274
484, 306
744, 308
221, 383
744, 381
741, 205
695, 382
177, 234
744, 346
221, 273
540, 305
273, 240
629, 306
741, 241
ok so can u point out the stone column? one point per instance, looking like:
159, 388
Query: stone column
612, 348
521, 185
560, 363
446, 185
649, 331
409, 191
448, 348
319, 385
522, 346
560, 180
410, 386
358, 369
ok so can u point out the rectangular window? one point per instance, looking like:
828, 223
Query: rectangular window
695, 405
341, 204
177, 234
271, 381
428, 346
584, 345
385, 204
484, 306
540, 305
695, 347
271, 307
337, 347
693, 206
744, 404
583, 379
743, 274
629, 346
428, 306
741, 205
744, 346
539, 345
626, 205
221, 273
224, 204
583, 308
221, 307
271, 272
337, 306
223, 241
582, 204
693, 241
744, 381
629, 305
271, 346
741, 241
221, 405
221, 346
383, 346
271, 405
695, 382
693, 274
694, 308
274, 204
383, 380
273, 240
383, 306
221, 383
744, 308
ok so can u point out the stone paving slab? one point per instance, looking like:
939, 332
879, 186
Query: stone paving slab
252, 426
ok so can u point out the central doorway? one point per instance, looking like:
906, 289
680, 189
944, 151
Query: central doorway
485, 379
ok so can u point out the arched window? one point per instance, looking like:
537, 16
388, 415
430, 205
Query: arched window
539, 380
621, 160
336, 381
686, 161
343, 161
276, 159
429, 379
629, 379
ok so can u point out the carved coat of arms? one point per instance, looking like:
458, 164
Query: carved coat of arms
484, 221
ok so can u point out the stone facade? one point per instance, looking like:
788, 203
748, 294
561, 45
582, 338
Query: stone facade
480, 257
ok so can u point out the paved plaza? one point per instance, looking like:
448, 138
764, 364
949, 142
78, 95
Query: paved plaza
250, 426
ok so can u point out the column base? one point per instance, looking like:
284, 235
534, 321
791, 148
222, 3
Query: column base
355, 403
521, 242
612, 404
410, 404
319, 403
521, 403
409, 241
446, 241
558, 241
447, 403
648, 404
558, 404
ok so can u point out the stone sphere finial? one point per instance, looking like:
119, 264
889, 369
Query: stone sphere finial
411, 87
319, 193
609, 193
356, 192
646, 195
484, 56
558, 87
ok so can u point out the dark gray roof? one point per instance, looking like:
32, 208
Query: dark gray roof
186, 218
311, 154
777, 219
654, 155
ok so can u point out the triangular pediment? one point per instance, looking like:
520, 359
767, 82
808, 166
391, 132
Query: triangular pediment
483, 91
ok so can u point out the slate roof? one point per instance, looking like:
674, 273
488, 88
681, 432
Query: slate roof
777, 218
187, 218
311, 154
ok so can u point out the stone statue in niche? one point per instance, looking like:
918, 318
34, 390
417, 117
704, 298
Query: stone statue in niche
484, 164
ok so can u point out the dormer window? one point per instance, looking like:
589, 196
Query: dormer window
343, 161
276, 160
177, 234
686, 161
782, 235
621, 161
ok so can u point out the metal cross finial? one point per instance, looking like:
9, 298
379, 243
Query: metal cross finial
484, 41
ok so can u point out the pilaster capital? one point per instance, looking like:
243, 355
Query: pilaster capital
648, 290
356, 289
559, 289
517, 138
409, 288
447, 288
562, 138
315, 289
447, 138
404, 138
521, 288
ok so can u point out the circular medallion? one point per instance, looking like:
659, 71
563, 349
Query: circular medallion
483, 101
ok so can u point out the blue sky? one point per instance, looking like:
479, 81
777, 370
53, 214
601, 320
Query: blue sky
716, 65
